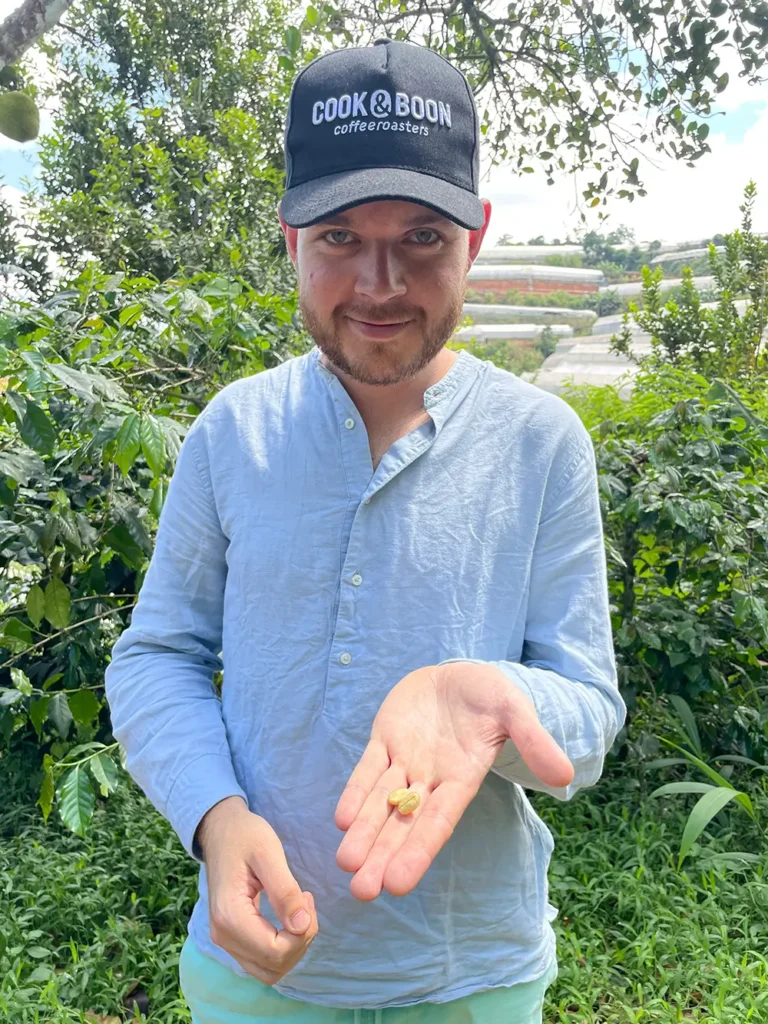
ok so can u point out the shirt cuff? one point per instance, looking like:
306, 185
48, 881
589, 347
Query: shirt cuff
204, 783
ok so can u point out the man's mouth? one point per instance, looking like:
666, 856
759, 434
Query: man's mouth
378, 329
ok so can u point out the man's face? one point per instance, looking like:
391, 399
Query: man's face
382, 286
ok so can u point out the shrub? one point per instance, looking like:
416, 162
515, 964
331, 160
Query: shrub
98, 387
719, 342
684, 487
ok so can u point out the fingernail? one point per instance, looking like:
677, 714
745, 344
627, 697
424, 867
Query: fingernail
300, 920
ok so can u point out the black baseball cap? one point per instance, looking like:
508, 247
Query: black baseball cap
388, 121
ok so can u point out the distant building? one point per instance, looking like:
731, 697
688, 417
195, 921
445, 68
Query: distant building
502, 278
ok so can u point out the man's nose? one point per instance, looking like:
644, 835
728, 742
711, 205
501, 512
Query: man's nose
380, 275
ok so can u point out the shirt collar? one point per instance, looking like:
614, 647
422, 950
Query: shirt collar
441, 398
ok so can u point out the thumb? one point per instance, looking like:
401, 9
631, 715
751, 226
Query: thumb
283, 891
538, 749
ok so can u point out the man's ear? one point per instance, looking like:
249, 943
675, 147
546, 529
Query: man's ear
291, 237
476, 237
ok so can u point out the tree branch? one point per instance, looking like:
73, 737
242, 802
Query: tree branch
26, 24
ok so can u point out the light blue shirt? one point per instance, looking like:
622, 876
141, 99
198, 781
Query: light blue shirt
317, 584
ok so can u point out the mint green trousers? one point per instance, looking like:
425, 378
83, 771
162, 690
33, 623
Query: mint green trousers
217, 995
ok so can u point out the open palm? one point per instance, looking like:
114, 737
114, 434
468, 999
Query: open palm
437, 732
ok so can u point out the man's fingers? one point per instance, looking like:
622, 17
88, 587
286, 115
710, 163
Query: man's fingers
431, 830
368, 880
282, 889
369, 770
537, 748
264, 976
370, 820
264, 952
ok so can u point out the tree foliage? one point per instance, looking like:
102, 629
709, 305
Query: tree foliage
720, 341
166, 153
684, 494
167, 147
98, 386
157, 196
571, 85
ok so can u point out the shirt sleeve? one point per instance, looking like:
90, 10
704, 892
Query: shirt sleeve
159, 684
567, 667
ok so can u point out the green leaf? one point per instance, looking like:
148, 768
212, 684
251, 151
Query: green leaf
131, 515
104, 770
158, 498
21, 681
76, 381
120, 540
52, 679
152, 440
311, 16
41, 973
292, 40
45, 800
716, 777
38, 712
67, 529
8, 697
173, 435
16, 635
58, 609
738, 759
38, 952
73, 754
686, 715
131, 314
76, 800
37, 430
84, 705
127, 442
683, 787
18, 404
701, 815
36, 605
22, 466
60, 715
735, 859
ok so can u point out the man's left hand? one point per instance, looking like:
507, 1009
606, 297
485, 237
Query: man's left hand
438, 732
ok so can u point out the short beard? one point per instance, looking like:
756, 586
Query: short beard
327, 336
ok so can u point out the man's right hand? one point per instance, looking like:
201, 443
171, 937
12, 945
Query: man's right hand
244, 856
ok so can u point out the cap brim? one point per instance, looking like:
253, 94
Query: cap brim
317, 200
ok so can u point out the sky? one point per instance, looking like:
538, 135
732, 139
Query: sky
683, 204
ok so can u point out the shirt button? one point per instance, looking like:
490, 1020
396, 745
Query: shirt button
366, 501
357, 579
349, 423
345, 658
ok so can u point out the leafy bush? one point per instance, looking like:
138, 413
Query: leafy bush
98, 387
87, 923
684, 490
720, 342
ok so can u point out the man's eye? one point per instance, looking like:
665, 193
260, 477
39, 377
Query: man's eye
338, 237
425, 236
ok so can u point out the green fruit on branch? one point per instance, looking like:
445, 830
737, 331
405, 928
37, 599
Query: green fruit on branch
19, 116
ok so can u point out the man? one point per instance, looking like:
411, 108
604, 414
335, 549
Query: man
396, 549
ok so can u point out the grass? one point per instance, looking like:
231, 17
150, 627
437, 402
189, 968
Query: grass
84, 922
